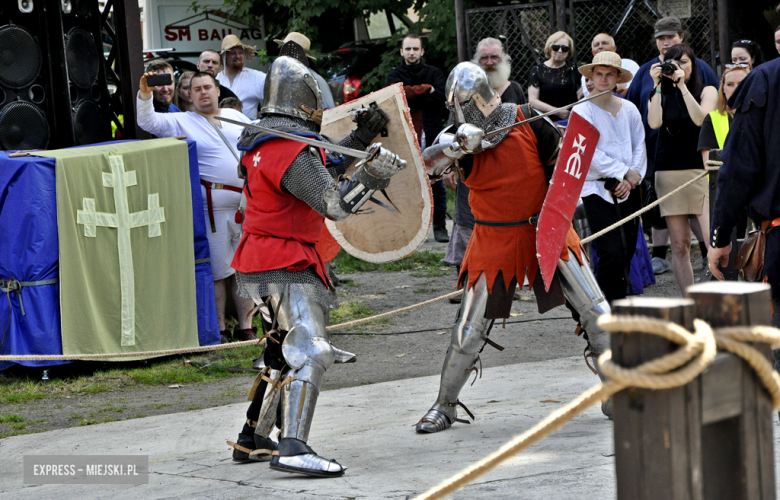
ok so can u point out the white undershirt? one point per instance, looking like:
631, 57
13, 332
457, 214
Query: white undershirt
248, 86
216, 163
621, 146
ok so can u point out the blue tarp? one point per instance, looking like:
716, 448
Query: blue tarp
29, 251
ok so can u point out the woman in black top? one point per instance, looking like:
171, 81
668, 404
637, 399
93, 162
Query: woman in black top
677, 109
556, 81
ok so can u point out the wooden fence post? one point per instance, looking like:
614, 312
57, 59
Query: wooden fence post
657, 448
711, 439
736, 410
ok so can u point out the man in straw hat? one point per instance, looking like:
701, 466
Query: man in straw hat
246, 83
304, 42
616, 170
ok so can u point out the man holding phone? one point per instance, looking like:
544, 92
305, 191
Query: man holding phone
217, 163
164, 86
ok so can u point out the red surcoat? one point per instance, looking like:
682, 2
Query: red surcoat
508, 184
280, 231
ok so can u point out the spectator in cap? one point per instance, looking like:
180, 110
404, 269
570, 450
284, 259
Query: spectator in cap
305, 43
668, 32
210, 62
246, 83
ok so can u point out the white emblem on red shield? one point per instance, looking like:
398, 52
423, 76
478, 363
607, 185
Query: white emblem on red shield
574, 163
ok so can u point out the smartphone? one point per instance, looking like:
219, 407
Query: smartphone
157, 80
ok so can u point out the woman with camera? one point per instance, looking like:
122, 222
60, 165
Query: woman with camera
678, 105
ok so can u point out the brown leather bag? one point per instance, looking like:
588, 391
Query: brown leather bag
750, 258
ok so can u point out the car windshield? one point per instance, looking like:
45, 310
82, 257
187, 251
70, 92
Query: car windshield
338, 63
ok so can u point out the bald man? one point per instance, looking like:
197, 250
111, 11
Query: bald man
602, 42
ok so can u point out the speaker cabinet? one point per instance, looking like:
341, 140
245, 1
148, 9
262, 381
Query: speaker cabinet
53, 91
82, 51
26, 107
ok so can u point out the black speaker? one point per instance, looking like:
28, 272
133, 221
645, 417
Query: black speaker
26, 107
53, 91
82, 48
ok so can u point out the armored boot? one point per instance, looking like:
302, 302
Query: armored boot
308, 352
468, 337
583, 293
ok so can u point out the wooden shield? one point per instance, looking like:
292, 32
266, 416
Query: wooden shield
379, 235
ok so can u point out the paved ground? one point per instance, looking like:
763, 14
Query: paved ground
372, 435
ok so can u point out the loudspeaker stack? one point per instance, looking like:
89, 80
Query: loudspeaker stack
53, 90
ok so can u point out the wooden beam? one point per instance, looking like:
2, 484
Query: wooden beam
130, 62
460, 30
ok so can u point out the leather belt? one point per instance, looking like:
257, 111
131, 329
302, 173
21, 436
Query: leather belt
533, 220
215, 185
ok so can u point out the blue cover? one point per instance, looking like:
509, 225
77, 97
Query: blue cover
29, 252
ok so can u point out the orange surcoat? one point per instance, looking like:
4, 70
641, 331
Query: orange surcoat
508, 183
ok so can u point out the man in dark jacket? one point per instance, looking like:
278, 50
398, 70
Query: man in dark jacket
750, 176
424, 88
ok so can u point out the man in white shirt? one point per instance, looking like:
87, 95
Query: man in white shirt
246, 83
221, 188
603, 42
619, 163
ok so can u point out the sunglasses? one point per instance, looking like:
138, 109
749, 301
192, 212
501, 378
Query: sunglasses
560, 48
736, 65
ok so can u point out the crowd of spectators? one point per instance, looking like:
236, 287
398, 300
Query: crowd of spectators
657, 127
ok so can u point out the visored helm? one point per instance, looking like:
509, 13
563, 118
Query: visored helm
290, 89
467, 82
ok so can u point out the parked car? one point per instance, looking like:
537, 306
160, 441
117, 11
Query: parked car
345, 67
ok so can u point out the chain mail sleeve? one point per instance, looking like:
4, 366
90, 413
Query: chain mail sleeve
351, 141
307, 180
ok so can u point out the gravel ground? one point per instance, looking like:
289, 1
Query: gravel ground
383, 356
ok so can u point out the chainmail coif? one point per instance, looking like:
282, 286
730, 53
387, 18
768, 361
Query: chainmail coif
502, 116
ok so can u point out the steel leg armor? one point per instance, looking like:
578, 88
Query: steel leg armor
468, 337
307, 350
584, 295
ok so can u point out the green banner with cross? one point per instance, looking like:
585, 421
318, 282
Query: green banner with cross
127, 265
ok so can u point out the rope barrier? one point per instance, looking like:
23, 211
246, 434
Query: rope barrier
696, 352
710, 166
208, 348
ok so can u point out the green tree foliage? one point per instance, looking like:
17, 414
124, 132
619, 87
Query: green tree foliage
317, 18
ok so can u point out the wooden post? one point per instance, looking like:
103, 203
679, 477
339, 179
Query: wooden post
657, 447
460, 30
560, 15
736, 410
130, 62
711, 439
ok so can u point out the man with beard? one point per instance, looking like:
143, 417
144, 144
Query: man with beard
424, 88
246, 83
210, 62
219, 178
162, 96
502, 250
603, 42
490, 56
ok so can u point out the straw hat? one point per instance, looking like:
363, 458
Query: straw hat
231, 41
607, 58
300, 39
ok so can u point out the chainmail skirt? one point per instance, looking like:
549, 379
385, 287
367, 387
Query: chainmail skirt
257, 286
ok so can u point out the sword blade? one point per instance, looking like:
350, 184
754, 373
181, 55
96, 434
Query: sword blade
363, 155
539, 117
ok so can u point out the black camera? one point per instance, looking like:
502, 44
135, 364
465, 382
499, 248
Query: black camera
668, 67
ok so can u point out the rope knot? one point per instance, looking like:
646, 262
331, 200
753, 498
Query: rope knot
677, 368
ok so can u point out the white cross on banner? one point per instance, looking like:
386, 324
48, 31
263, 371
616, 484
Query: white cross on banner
127, 268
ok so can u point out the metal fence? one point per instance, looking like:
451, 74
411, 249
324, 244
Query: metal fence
526, 27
